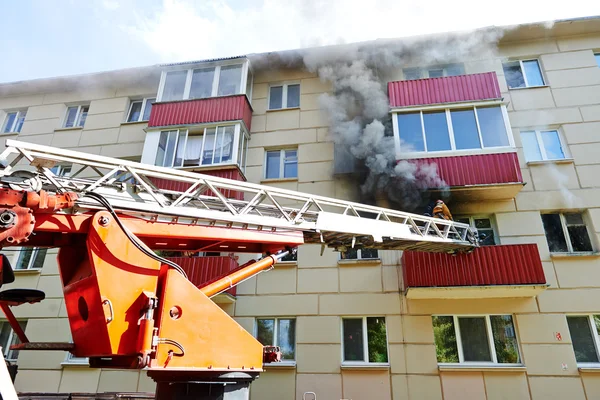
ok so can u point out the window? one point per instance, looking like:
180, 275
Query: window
360, 254
542, 145
470, 339
452, 129
71, 359
597, 55
585, 331
278, 332
14, 121
8, 338
30, 258
62, 170
364, 340
208, 81
523, 73
566, 233
434, 72
76, 116
281, 164
484, 226
284, 96
139, 110
214, 145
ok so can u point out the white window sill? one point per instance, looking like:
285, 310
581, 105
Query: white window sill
286, 264
488, 367
9, 133
360, 261
594, 368
74, 128
365, 366
529, 87
283, 109
281, 365
274, 180
583, 254
134, 122
31, 271
544, 162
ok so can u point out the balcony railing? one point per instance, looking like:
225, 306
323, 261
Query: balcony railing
488, 272
203, 270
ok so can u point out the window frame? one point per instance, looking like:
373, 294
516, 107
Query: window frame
72, 360
595, 336
563, 223
365, 342
284, 93
448, 109
11, 338
527, 86
359, 256
18, 115
144, 102
281, 163
276, 338
35, 252
492, 220
490, 334
540, 142
423, 72
215, 84
77, 117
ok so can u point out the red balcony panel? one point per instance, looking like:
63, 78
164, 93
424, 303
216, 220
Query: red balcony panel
487, 266
480, 169
203, 270
450, 89
230, 173
200, 111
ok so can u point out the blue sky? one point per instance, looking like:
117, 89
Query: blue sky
44, 38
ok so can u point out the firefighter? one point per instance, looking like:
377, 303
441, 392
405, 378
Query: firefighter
440, 210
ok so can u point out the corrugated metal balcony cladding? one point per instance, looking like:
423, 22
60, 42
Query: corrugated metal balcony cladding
517, 264
230, 173
449, 89
200, 111
203, 270
480, 169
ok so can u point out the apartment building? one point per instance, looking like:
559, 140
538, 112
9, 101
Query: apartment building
515, 136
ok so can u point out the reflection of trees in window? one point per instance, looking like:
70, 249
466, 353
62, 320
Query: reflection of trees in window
377, 340
505, 339
445, 339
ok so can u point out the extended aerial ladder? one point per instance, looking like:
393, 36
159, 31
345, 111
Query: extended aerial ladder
129, 307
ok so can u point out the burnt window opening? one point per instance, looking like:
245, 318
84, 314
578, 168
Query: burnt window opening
567, 233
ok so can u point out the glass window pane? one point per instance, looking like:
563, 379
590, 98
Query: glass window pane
24, 259
465, 129
5, 331
20, 120
369, 253
353, 339
290, 164
463, 220
174, 85
412, 74
71, 116
273, 161
411, 133
597, 58
293, 96
286, 338
193, 150
202, 83
505, 339
445, 339
162, 147
180, 153
554, 233
580, 239
474, 339
265, 329
276, 97
486, 237
455, 69
10, 120
148, 109
83, 112
40, 256
225, 149
552, 145
574, 219
377, 340
170, 150
533, 73
249, 80
531, 146
513, 75
493, 130
230, 80
436, 131
134, 111
583, 341
436, 73
209, 146
350, 254
482, 223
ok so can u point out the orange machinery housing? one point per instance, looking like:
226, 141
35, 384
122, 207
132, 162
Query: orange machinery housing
127, 307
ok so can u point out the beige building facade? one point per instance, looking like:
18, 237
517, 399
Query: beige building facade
357, 326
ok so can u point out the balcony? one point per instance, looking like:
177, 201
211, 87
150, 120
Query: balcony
201, 111
203, 270
488, 272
